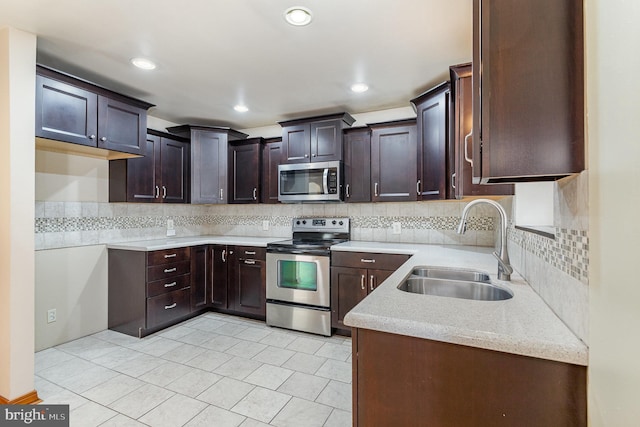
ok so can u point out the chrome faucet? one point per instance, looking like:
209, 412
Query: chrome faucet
504, 266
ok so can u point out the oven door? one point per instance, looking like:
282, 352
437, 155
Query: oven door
298, 279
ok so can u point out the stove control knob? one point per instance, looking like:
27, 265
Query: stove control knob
304, 222
334, 222
297, 222
341, 223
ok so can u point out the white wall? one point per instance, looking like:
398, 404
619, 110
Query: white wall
17, 124
613, 37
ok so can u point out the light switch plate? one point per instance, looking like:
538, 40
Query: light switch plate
397, 228
265, 225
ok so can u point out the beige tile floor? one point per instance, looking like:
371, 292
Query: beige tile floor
212, 370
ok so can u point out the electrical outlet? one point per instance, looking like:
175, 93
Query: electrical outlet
51, 315
397, 228
265, 225
170, 225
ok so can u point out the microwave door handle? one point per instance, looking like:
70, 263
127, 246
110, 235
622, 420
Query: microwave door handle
325, 181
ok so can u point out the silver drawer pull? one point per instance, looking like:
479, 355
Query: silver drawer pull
169, 285
170, 270
249, 252
368, 261
171, 256
249, 261
169, 307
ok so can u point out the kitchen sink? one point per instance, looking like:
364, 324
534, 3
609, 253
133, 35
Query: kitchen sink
454, 283
451, 274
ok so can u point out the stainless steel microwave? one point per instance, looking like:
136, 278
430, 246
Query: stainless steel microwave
310, 182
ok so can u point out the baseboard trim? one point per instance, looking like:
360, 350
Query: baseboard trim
27, 399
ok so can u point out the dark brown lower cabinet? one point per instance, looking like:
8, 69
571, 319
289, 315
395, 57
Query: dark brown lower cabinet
248, 282
406, 381
148, 291
209, 276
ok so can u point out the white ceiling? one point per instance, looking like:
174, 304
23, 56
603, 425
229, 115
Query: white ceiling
213, 54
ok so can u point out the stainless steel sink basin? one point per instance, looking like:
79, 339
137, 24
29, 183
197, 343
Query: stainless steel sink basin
465, 289
451, 274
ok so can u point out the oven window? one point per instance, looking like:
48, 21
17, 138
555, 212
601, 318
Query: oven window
301, 275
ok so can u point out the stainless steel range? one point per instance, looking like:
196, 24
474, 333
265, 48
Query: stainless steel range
298, 275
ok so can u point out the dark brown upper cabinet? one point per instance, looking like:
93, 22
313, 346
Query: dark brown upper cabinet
209, 161
78, 112
245, 170
357, 165
160, 176
461, 140
393, 163
433, 137
271, 158
314, 139
528, 78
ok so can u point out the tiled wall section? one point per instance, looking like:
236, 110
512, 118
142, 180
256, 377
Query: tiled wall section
68, 224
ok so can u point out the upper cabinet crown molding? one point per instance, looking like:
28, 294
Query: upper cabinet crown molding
98, 122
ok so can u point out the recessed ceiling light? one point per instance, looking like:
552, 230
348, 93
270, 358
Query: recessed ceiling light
359, 87
143, 63
298, 16
241, 108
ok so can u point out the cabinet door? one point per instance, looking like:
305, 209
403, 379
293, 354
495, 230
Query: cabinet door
326, 140
219, 275
393, 165
174, 167
208, 167
271, 158
121, 127
249, 283
348, 288
357, 165
296, 143
462, 140
244, 172
65, 112
432, 146
529, 99
143, 173
200, 276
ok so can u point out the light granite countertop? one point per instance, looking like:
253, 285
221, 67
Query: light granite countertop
522, 325
181, 242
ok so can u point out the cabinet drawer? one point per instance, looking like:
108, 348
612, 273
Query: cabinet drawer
167, 307
160, 272
167, 256
168, 285
251, 252
368, 260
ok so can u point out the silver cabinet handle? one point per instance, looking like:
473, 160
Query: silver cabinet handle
362, 279
371, 280
466, 153
170, 285
103, 139
368, 261
221, 194
249, 252
418, 187
169, 307
453, 180
347, 192
157, 191
170, 270
164, 192
171, 256
255, 193
375, 189
313, 155
224, 255
306, 156
249, 261
92, 136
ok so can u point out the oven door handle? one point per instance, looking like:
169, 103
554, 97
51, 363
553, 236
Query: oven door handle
325, 181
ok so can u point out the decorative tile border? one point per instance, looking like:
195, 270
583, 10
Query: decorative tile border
568, 252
